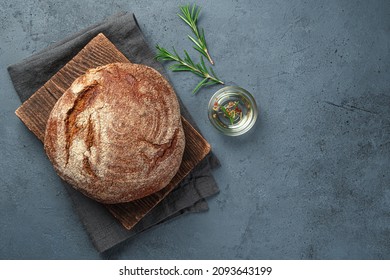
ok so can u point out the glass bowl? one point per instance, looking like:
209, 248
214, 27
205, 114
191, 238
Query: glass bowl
232, 110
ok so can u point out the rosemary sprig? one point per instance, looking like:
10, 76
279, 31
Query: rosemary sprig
230, 111
187, 64
190, 16
227, 115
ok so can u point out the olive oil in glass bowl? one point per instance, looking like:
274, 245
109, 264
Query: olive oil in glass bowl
232, 110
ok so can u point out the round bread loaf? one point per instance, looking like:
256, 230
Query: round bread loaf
116, 133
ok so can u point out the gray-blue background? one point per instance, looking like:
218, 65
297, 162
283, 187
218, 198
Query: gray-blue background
310, 181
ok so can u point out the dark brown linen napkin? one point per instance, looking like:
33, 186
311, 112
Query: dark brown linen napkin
123, 31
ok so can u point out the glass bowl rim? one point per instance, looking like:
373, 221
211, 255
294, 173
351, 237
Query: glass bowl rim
248, 96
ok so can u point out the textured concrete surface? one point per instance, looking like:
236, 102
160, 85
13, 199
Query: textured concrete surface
311, 181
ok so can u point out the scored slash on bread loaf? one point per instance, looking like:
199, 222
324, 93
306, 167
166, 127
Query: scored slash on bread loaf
116, 133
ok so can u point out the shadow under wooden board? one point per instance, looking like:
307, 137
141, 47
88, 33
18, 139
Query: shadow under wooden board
35, 111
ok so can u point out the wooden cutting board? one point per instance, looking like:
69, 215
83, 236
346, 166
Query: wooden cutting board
35, 111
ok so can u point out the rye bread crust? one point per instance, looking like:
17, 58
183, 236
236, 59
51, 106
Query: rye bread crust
116, 133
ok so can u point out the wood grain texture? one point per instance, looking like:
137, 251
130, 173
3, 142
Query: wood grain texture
35, 112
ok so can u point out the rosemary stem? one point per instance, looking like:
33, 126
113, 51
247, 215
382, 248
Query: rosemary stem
214, 79
189, 66
209, 57
208, 76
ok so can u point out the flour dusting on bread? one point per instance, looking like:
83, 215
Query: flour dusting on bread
116, 133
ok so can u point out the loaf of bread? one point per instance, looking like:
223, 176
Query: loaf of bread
116, 133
